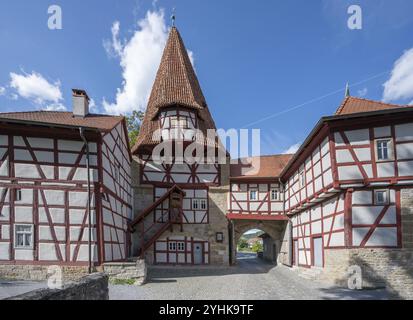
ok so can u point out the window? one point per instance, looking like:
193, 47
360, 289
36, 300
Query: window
18, 195
181, 246
274, 194
23, 234
172, 246
381, 197
203, 204
383, 149
253, 195
179, 122
195, 204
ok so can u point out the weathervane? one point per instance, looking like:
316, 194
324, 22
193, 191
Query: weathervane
173, 17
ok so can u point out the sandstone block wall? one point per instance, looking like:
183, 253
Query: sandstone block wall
136, 271
92, 287
39, 272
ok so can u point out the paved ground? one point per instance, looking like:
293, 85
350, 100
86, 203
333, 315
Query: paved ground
252, 279
13, 288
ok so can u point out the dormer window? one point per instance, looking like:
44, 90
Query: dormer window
180, 122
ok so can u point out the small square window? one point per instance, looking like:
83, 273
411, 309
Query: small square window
274, 194
381, 197
23, 234
253, 195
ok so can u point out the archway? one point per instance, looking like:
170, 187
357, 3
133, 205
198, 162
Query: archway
273, 235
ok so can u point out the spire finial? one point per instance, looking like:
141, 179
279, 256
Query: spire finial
173, 17
347, 94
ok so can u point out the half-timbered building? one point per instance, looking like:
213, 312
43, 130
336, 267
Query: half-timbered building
345, 198
348, 192
57, 170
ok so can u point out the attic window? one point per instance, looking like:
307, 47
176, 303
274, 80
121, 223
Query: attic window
179, 122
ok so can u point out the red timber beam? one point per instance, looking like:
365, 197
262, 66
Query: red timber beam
148, 210
257, 217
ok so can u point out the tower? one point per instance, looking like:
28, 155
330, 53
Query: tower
180, 207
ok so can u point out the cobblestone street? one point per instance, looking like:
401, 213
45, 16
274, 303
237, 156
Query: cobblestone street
251, 279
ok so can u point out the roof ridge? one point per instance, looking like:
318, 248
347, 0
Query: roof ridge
380, 102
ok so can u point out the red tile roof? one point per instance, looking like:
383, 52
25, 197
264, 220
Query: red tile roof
100, 122
352, 105
261, 167
176, 84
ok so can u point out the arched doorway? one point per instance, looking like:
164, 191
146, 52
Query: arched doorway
273, 239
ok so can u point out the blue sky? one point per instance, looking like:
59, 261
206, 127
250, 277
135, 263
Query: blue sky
274, 65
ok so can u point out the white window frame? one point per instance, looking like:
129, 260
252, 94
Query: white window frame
196, 205
172, 244
180, 246
386, 197
276, 198
389, 149
29, 247
203, 204
253, 191
19, 195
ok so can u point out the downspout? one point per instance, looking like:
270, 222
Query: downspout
82, 135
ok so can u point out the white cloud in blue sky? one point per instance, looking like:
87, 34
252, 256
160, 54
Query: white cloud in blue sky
35, 88
139, 59
400, 84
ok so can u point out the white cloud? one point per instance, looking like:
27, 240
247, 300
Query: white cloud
139, 59
93, 108
54, 107
362, 92
400, 84
2, 91
36, 88
292, 149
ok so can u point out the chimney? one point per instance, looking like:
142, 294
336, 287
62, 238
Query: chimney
80, 103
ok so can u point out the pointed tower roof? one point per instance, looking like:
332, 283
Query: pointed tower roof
347, 92
176, 84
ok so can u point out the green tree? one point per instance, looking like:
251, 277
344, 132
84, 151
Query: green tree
257, 247
242, 244
133, 123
